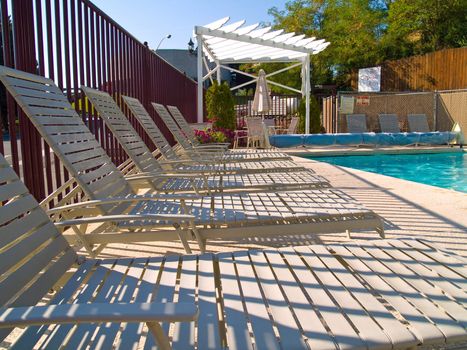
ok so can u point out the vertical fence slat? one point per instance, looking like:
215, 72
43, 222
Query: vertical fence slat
76, 43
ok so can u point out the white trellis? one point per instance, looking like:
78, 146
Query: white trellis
224, 44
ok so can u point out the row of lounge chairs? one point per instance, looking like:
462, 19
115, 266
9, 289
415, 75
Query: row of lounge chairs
356, 123
315, 297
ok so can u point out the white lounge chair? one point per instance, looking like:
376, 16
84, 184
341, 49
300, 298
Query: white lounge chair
418, 123
135, 148
389, 123
371, 295
202, 217
356, 123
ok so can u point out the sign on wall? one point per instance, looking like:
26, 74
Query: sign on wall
369, 79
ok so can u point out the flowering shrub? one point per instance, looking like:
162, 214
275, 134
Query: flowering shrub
214, 135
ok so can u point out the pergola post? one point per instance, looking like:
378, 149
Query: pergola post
199, 105
307, 94
218, 73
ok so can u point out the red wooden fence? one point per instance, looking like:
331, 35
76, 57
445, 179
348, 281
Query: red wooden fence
74, 43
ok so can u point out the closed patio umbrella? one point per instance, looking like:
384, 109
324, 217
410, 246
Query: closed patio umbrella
262, 102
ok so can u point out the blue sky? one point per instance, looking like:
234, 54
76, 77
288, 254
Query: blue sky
151, 20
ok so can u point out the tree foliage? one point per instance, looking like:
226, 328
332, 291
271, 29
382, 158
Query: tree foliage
220, 106
315, 116
364, 33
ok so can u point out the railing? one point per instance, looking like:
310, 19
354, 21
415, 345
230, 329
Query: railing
75, 43
283, 107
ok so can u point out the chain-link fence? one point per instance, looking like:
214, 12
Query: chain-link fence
442, 108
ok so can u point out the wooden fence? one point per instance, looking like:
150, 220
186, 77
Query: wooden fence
75, 43
440, 70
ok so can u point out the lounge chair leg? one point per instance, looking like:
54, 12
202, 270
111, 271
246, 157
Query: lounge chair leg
201, 240
380, 230
161, 339
348, 234
184, 241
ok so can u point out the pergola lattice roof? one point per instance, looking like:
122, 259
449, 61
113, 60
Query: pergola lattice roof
236, 42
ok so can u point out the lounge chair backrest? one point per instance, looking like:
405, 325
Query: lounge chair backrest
65, 132
123, 131
356, 123
150, 127
172, 125
182, 123
292, 129
389, 123
33, 254
418, 123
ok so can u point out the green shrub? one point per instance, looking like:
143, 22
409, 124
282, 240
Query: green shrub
220, 106
315, 116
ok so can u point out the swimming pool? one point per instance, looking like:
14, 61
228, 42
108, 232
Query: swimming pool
447, 170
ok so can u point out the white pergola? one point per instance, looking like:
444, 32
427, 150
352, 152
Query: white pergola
224, 43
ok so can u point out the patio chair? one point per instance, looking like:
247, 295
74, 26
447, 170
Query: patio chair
255, 133
370, 295
173, 217
138, 152
389, 123
418, 123
291, 129
356, 123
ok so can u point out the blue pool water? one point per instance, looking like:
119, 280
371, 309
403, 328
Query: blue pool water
447, 170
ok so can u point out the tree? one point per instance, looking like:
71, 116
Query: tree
422, 26
315, 116
220, 105
353, 28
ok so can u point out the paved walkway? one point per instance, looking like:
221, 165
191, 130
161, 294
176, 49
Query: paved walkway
408, 209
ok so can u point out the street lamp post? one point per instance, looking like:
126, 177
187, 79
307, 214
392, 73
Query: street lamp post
168, 36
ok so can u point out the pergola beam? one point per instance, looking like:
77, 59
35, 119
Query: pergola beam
234, 43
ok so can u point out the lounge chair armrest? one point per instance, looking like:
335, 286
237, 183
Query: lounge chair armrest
97, 312
186, 161
97, 202
120, 218
168, 174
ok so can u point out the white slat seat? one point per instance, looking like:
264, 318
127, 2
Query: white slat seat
392, 294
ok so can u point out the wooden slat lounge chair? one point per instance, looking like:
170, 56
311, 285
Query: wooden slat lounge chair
117, 122
203, 217
389, 123
135, 148
418, 123
370, 295
35, 257
356, 123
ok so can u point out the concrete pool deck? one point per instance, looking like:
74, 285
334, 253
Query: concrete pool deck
408, 209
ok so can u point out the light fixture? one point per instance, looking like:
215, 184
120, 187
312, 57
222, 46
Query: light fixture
168, 36
191, 46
